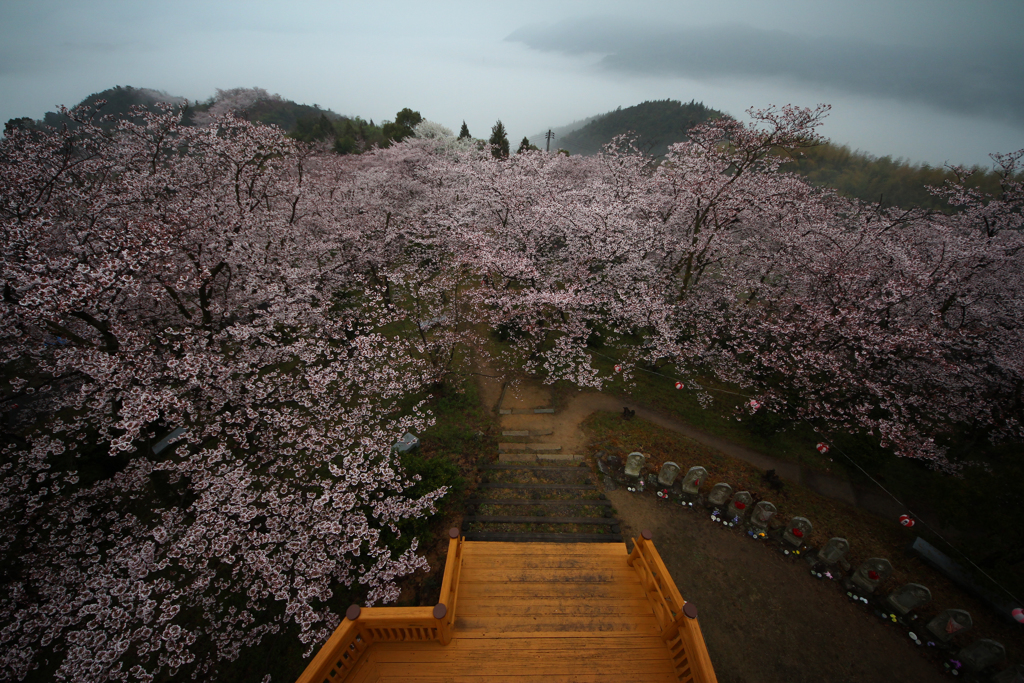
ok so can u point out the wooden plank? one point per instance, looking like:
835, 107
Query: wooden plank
532, 537
470, 590
478, 649
576, 562
556, 606
557, 643
481, 549
500, 574
455, 677
509, 519
414, 662
498, 626
366, 670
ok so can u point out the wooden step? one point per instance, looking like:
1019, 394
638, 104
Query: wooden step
534, 537
528, 432
511, 519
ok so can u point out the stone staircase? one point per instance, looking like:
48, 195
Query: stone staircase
533, 492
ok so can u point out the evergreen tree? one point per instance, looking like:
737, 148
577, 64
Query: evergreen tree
499, 141
464, 133
405, 121
525, 146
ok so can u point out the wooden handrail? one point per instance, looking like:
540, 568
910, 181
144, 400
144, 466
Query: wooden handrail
450, 584
677, 618
363, 626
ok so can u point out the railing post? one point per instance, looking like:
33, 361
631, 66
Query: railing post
444, 629
638, 544
444, 612
693, 643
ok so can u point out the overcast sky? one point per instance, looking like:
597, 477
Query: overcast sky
929, 80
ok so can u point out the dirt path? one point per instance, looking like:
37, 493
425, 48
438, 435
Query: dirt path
763, 617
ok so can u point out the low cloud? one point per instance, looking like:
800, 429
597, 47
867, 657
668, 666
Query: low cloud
972, 77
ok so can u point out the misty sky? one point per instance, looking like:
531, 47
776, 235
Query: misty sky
929, 80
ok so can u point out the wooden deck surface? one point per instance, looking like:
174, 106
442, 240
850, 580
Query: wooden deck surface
536, 612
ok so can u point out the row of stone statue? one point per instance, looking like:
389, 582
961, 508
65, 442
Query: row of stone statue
865, 579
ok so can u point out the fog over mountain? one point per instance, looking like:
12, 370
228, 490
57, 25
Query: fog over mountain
961, 78
930, 80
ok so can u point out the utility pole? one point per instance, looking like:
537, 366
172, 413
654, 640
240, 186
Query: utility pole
549, 136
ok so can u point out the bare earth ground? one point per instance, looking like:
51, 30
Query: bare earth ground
763, 617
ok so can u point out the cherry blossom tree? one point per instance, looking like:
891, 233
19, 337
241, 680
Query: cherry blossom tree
723, 265
163, 276
289, 308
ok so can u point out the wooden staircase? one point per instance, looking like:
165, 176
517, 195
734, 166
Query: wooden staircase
528, 612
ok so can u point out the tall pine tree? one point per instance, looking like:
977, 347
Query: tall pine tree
525, 146
464, 133
499, 141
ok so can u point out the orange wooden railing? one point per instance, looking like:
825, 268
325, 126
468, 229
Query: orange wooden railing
677, 618
363, 626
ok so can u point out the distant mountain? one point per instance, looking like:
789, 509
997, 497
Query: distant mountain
118, 102
253, 104
656, 124
259, 106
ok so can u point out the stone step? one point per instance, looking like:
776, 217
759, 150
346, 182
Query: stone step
532, 537
528, 432
542, 468
560, 457
526, 411
566, 487
511, 519
506, 447
525, 456
578, 502
517, 457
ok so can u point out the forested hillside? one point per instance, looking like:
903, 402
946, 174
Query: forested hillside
118, 102
883, 179
656, 125
855, 174
308, 123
